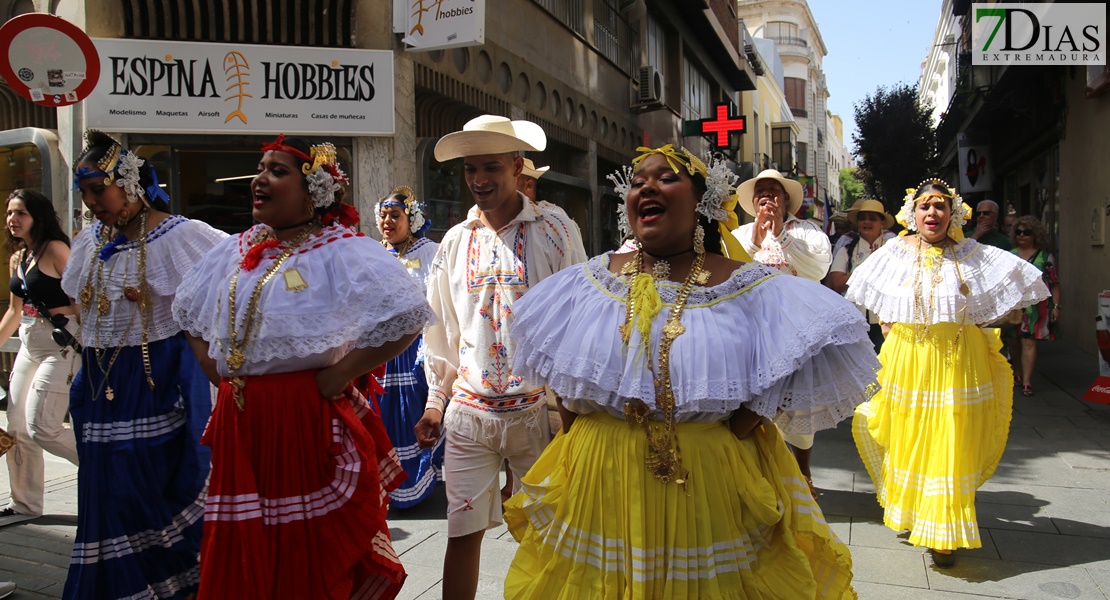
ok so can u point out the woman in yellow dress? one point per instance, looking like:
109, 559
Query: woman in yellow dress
669, 363
936, 431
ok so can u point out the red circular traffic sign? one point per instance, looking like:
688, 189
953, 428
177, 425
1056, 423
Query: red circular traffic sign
48, 60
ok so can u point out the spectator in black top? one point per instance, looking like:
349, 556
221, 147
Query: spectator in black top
38, 396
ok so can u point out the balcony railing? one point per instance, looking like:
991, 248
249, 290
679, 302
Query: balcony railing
568, 12
790, 41
612, 35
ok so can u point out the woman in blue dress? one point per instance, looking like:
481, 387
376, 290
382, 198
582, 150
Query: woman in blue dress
140, 402
402, 223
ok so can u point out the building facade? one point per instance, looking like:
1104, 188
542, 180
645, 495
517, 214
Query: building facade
791, 25
623, 74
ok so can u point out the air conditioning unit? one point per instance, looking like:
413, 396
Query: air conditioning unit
647, 89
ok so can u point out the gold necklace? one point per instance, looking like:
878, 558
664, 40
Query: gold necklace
241, 335
142, 296
664, 457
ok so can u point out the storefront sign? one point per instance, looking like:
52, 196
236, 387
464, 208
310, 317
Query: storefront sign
47, 59
185, 87
439, 24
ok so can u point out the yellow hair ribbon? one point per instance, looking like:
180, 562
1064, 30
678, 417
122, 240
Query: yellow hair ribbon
693, 164
733, 249
646, 304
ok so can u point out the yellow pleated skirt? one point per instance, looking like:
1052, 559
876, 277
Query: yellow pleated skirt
936, 431
592, 522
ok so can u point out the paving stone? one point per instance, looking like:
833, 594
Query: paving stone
1042, 548
1012, 516
879, 591
1009, 579
877, 565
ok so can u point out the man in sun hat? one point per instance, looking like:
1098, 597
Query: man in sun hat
873, 223
506, 245
526, 183
778, 239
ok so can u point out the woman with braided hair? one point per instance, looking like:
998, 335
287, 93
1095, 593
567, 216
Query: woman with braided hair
283, 317
402, 221
140, 401
937, 430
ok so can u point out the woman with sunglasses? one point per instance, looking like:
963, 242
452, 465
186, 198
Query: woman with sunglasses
937, 429
1037, 321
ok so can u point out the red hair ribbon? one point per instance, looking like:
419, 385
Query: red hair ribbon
345, 214
278, 145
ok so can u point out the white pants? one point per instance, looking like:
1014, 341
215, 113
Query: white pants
474, 450
38, 399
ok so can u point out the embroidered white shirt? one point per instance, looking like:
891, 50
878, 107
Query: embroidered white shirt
476, 277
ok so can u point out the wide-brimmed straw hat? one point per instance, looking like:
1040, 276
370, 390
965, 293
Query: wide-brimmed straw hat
531, 171
491, 134
874, 206
746, 192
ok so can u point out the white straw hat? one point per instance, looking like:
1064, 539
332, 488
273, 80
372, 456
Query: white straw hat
531, 171
746, 192
491, 134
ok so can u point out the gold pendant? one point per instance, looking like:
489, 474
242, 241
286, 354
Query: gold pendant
412, 264
964, 289
102, 305
109, 393
131, 293
293, 280
86, 295
236, 359
703, 277
673, 329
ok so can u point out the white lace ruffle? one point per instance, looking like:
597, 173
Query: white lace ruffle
773, 343
173, 247
358, 296
997, 280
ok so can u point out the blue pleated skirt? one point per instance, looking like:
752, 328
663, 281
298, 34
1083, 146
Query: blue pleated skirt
401, 407
141, 483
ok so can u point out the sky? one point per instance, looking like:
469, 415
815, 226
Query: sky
871, 43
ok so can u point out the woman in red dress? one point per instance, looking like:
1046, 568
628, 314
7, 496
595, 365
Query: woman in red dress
283, 317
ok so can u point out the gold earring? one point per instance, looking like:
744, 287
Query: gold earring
699, 240
123, 217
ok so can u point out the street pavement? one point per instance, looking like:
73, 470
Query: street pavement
1044, 516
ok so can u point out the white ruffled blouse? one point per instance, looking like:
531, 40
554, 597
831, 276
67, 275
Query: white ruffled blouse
173, 247
997, 282
418, 261
784, 347
358, 296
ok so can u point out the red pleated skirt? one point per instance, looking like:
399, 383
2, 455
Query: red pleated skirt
297, 498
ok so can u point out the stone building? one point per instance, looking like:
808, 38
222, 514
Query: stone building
601, 76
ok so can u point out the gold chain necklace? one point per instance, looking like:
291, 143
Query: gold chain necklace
241, 335
664, 457
143, 296
922, 310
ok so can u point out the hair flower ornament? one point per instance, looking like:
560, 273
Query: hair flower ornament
622, 184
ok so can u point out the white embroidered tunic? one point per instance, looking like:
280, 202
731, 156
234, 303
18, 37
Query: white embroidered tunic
997, 283
173, 247
358, 296
476, 280
784, 347
418, 261
801, 249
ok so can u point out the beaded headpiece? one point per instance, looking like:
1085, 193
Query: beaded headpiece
321, 169
718, 203
960, 210
412, 206
119, 166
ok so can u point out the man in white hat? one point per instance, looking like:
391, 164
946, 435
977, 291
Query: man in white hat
528, 179
872, 222
506, 245
778, 239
